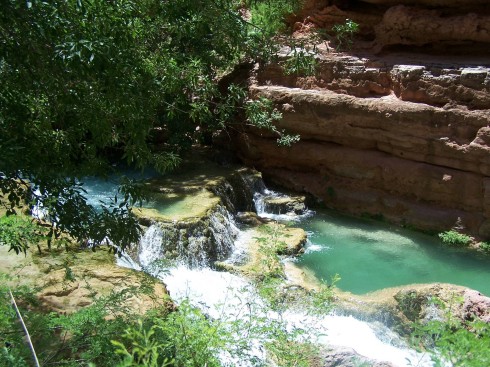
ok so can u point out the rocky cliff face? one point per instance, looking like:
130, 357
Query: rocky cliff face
399, 126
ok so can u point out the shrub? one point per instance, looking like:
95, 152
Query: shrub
18, 233
344, 33
455, 239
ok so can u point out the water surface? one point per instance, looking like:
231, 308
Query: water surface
369, 256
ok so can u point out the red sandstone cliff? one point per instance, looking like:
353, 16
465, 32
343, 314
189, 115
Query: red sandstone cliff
400, 126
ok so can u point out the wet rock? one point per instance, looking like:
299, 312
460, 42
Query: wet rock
285, 205
293, 205
251, 218
410, 303
194, 213
476, 306
416, 303
347, 357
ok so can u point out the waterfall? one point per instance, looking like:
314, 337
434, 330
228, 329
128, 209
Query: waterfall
224, 230
197, 243
151, 246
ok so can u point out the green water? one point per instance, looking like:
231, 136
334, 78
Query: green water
370, 256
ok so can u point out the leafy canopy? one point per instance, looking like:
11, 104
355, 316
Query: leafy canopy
88, 83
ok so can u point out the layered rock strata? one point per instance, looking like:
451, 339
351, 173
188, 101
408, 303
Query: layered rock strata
402, 136
455, 24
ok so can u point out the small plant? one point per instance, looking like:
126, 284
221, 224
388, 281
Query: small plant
455, 239
270, 16
485, 246
301, 62
344, 33
410, 303
321, 300
270, 247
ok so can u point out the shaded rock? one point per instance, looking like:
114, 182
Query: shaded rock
403, 25
445, 3
285, 205
443, 26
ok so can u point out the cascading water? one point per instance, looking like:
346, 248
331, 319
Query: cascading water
277, 206
225, 296
151, 249
196, 244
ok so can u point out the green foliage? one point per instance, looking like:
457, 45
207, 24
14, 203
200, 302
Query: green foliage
285, 350
89, 83
182, 338
70, 340
262, 114
455, 239
143, 349
18, 233
462, 343
269, 15
344, 33
485, 246
189, 338
301, 62
321, 299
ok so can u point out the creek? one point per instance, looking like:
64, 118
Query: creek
381, 250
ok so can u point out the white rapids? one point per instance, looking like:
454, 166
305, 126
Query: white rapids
227, 297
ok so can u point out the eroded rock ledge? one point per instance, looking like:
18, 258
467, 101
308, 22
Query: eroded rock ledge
402, 136
454, 25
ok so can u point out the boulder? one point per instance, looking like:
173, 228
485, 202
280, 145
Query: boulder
294, 205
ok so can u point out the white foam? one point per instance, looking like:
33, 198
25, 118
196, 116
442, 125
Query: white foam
227, 296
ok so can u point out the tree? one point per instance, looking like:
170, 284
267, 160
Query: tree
85, 83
